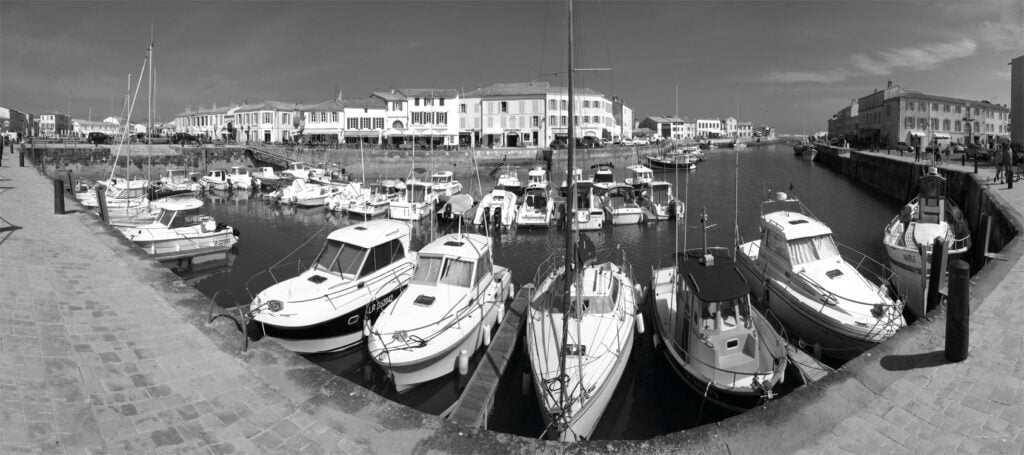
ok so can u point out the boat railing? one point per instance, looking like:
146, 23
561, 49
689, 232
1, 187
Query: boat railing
719, 372
298, 264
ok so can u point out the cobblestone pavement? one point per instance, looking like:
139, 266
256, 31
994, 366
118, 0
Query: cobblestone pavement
103, 351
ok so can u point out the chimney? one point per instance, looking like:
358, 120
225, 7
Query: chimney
889, 85
339, 98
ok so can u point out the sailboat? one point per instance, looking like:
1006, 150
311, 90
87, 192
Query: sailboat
579, 330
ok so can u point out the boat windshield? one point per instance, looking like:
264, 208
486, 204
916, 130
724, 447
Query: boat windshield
603, 177
810, 249
176, 219
239, 171
441, 179
443, 270
536, 179
416, 193
176, 175
340, 258
130, 193
659, 194
536, 200
583, 200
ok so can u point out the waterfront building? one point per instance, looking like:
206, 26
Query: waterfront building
364, 120
1017, 100
433, 116
744, 130
54, 124
214, 122
269, 121
396, 117
470, 120
83, 127
669, 127
708, 128
320, 123
15, 121
843, 125
893, 115
623, 118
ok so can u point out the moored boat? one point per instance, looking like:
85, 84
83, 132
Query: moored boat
620, 205
659, 203
638, 175
825, 302
215, 179
444, 185
180, 231
910, 237
455, 299
416, 202
536, 208
497, 208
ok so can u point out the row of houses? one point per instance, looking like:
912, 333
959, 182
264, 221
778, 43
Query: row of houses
894, 115
521, 114
672, 127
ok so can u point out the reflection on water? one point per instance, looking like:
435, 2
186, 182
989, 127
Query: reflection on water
650, 400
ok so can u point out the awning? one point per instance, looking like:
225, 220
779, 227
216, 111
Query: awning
310, 131
940, 136
362, 134
916, 133
391, 132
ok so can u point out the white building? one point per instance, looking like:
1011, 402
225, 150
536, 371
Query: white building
269, 121
710, 128
433, 115
364, 120
321, 122
83, 127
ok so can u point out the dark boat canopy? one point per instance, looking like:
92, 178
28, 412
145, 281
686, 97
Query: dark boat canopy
714, 283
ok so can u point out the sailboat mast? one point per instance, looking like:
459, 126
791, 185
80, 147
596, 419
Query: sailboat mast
570, 212
149, 112
127, 130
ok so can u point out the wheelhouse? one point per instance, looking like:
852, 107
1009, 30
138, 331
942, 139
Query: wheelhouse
460, 261
442, 178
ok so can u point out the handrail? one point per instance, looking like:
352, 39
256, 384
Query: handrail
239, 323
872, 278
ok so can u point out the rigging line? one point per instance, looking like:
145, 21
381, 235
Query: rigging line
543, 41
128, 117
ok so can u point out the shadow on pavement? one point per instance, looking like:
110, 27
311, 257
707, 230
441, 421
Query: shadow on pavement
913, 361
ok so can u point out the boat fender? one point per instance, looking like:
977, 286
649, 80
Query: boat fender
501, 312
367, 327
236, 233
497, 216
463, 362
487, 335
254, 330
639, 323
657, 341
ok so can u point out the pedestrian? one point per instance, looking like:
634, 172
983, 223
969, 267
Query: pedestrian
917, 153
998, 158
1007, 161
937, 152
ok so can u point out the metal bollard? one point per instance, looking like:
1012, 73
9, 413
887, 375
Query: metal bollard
975, 164
963, 159
21, 157
58, 196
935, 274
958, 311
1009, 176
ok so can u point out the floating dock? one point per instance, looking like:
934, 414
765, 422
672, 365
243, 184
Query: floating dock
474, 405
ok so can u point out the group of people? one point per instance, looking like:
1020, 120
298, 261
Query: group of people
1003, 159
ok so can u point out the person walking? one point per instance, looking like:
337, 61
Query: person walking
917, 153
997, 158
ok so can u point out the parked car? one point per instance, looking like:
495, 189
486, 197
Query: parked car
96, 137
628, 142
903, 147
558, 144
184, 138
591, 142
978, 152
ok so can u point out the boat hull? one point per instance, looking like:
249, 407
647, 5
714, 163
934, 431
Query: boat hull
907, 264
409, 212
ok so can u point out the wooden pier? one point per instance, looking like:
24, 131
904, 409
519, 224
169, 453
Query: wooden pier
811, 369
474, 405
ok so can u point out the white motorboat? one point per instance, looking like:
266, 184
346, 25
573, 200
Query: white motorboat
455, 299
603, 177
536, 208
577, 177
415, 203
711, 335
620, 205
825, 302
537, 177
182, 232
266, 176
589, 215
638, 176
445, 186
910, 237
659, 203
176, 181
349, 194
359, 271
297, 170
216, 179
239, 178
316, 195
579, 349
508, 180
496, 208
119, 194
371, 202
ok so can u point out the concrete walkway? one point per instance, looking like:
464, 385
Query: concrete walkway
104, 351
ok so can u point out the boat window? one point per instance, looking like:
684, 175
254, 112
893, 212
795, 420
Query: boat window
810, 249
416, 193
775, 243
457, 273
383, 256
602, 177
727, 310
427, 268
583, 200
340, 258
659, 195
165, 218
483, 266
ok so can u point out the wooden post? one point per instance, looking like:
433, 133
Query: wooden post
935, 274
958, 312
21, 156
58, 196
101, 198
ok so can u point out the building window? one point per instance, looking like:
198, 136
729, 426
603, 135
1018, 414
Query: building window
323, 117
441, 118
957, 109
945, 125
910, 106
536, 121
565, 105
977, 112
935, 124
503, 107
417, 102
977, 126
921, 106
268, 117
586, 103
956, 126
462, 108
440, 101
364, 123
922, 123
334, 117
945, 108
565, 120
552, 120
353, 123
553, 105
378, 123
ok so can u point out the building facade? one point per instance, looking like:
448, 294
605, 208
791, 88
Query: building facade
54, 124
83, 127
15, 121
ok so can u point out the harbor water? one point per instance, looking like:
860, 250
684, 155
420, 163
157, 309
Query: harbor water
650, 399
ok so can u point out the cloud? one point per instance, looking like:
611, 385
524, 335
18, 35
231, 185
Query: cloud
1001, 36
822, 77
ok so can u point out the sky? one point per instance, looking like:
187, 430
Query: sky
789, 64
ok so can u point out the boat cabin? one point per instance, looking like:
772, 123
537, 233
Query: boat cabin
931, 197
239, 171
442, 178
182, 213
584, 195
536, 198
604, 174
216, 175
659, 193
416, 191
639, 175
537, 177
462, 260
175, 176
359, 251
796, 239
133, 190
297, 166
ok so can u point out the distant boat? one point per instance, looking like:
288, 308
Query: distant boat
910, 237
673, 160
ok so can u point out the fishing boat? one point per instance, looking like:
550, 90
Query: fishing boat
536, 207
266, 177
216, 179
508, 180
119, 194
316, 195
659, 203
455, 299
415, 203
359, 271
831, 305
175, 181
739, 145
580, 321
716, 341
180, 231
638, 175
239, 178
603, 177
374, 201
445, 185
297, 170
910, 237
537, 178
620, 205
673, 160
497, 208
